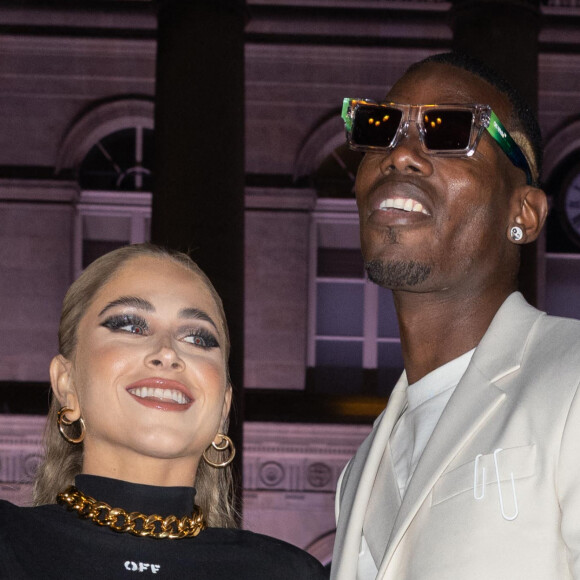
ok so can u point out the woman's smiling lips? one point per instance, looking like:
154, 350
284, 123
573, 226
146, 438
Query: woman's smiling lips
162, 394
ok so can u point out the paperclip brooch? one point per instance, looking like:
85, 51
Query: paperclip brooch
507, 517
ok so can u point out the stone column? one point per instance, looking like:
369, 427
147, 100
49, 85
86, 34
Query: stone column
198, 197
504, 35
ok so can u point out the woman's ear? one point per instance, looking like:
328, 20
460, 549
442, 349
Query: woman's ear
529, 208
63, 386
226, 407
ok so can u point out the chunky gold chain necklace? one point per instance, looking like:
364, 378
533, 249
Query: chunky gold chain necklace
135, 523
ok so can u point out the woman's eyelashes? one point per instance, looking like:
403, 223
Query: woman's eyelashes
202, 338
126, 323
134, 324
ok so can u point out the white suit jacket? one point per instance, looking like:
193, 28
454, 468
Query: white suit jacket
515, 411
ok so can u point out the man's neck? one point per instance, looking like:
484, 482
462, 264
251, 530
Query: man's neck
437, 328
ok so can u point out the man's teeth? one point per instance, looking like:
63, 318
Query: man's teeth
404, 203
161, 394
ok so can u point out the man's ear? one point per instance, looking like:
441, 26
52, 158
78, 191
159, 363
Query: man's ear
63, 386
529, 208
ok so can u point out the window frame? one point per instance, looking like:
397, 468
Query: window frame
341, 212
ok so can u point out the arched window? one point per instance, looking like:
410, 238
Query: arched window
110, 150
335, 176
120, 161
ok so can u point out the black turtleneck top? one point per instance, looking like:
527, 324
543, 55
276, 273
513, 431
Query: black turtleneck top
49, 541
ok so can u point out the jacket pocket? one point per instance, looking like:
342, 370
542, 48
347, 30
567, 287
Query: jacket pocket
521, 461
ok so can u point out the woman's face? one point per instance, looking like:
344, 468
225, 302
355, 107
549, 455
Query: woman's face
150, 374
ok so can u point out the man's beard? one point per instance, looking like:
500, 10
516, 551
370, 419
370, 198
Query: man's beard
397, 274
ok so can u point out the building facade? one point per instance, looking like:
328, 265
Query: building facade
77, 87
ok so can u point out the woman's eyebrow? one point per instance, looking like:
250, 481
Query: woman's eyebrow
132, 301
197, 314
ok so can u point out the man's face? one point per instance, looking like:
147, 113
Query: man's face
447, 229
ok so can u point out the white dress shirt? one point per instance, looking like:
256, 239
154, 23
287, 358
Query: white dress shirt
426, 400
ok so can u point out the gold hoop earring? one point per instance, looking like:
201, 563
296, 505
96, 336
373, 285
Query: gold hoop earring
222, 446
62, 421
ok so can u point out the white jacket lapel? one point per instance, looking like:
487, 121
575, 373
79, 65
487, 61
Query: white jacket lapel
455, 427
383, 507
361, 477
474, 401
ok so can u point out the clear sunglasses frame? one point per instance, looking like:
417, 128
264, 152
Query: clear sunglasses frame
480, 119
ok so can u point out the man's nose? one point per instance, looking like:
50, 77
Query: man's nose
407, 156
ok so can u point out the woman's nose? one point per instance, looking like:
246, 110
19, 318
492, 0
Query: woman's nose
165, 356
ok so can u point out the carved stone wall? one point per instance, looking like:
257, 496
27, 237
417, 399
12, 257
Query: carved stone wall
20, 455
290, 475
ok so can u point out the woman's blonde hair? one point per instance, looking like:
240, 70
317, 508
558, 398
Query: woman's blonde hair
63, 461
